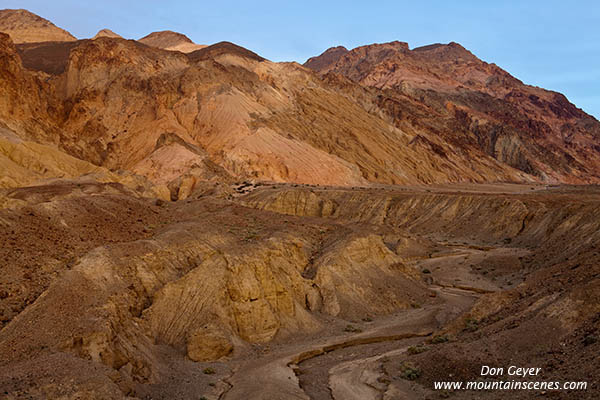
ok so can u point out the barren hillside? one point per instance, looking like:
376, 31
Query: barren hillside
184, 221
475, 106
26, 27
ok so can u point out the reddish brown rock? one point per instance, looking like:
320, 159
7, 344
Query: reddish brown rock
445, 92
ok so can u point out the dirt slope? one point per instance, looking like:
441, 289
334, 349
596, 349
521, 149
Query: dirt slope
215, 225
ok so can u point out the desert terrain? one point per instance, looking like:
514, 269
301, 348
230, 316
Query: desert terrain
293, 291
187, 221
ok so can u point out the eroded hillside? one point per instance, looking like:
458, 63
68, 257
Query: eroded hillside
474, 106
182, 221
429, 115
221, 273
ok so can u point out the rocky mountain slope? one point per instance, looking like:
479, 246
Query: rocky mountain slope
376, 114
26, 27
474, 105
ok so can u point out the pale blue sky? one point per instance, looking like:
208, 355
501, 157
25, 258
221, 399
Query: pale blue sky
553, 44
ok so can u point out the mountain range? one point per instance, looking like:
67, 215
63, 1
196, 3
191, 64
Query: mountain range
189, 221
169, 110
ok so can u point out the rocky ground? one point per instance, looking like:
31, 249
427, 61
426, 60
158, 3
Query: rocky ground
295, 291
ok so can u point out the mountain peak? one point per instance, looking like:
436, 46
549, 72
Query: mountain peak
221, 48
170, 40
450, 51
106, 33
327, 59
380, 61
26, 27
398, 44
164, 39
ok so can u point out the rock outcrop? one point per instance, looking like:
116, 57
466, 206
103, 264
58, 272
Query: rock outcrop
326, 60
207, 292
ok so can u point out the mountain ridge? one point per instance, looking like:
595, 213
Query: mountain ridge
453, 81
376, 114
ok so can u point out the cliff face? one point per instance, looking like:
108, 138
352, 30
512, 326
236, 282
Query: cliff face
476, 106
28, 104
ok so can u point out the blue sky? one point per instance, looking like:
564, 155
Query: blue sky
552, 44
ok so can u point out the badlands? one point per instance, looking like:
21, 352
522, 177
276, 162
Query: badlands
183, 221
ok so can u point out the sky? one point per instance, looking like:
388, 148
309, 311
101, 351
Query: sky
551, 44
